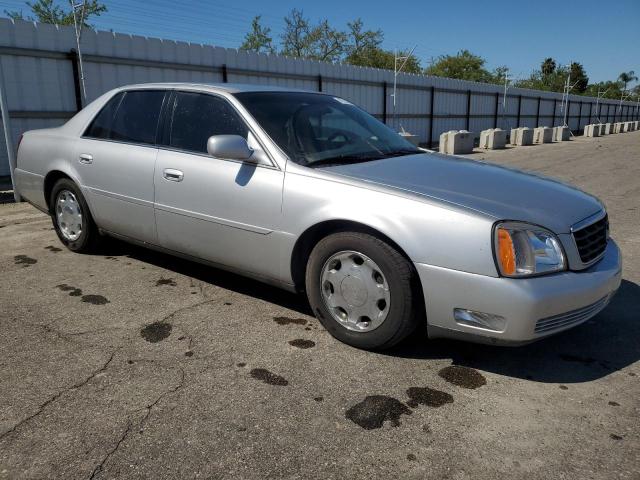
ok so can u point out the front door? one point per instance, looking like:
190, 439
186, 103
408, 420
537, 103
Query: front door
220, 210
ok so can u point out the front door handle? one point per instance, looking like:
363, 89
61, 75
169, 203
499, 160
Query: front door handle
86, 158
172, 174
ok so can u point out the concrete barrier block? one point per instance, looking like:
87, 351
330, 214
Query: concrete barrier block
607, 129
493, 138
601, 129
560, 134
618, 127
542, 135
521, 136
592, 130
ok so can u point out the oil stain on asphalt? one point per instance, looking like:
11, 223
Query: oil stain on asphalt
73, 291
95, 299
301, 343
427, 396
156, 332
289, 321
464, 377
24, 260
374, 410
53, 249
268, 377
166, 281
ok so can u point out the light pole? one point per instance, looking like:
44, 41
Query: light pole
396, 71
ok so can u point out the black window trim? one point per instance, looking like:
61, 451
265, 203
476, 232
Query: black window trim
167, 93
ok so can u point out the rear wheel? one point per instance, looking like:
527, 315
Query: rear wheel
362, 290
71, 217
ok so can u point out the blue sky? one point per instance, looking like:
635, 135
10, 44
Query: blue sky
603, 36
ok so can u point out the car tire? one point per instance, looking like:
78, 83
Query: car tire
350, 259
72, 221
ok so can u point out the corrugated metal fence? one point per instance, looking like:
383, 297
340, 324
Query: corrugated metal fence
43, 88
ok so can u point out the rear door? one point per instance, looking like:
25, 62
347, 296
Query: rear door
116, 159
221, 210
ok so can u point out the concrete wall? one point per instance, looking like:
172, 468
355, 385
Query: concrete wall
39, 78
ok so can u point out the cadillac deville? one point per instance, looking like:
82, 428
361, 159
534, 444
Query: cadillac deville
307, 191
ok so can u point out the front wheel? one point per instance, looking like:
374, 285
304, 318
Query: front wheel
362, 290
71, 217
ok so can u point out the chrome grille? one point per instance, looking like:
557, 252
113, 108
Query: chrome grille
573, 317
592, 240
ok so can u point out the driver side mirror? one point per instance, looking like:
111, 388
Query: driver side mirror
233, 147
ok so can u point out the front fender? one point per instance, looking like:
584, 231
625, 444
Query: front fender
428, 231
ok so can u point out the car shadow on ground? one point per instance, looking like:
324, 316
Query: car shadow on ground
595, 349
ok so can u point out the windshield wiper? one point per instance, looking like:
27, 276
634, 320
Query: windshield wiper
343, 160
400, 152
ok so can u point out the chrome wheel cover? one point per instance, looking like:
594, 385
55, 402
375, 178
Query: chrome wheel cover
69, 215
355, 291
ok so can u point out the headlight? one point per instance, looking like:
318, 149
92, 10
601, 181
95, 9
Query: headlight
524, 250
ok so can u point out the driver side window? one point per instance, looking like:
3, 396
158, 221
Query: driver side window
197, 116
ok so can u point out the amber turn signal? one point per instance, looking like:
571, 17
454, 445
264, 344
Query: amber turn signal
506, 252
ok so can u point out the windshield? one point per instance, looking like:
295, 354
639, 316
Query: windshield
315, 129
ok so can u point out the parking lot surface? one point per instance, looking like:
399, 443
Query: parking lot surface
134, 364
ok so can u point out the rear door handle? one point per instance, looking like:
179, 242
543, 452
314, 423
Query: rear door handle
86, 158
172, 174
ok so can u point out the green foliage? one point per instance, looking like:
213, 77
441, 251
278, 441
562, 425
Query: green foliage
258, 39
302, 39
627, 77
553, 78
48, 11
608, 89
466, 66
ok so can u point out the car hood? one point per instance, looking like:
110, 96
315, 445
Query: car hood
500, 192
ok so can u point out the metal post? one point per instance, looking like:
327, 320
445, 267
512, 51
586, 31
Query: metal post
384, 102
77, 80
538, 112
495, 112
431, 107
519, 110
468, 110
553, 115
6, 123
579, 118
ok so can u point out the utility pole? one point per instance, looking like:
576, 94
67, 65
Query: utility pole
79, 16
396, 71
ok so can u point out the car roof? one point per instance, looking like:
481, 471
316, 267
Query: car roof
217, 87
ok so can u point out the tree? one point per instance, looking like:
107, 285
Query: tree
325, 43
579, 78
465, 66
608, 89
548, 66
295, 38
627, 77
361, 40
258, 39
46, 11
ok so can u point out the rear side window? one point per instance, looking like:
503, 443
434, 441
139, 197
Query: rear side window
129, 117
196, 117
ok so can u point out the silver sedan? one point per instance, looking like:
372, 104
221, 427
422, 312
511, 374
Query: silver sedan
307, 191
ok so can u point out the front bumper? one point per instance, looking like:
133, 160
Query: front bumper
552, 303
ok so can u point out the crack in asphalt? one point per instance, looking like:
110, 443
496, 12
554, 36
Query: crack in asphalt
98, 468
125, 434
43, 406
